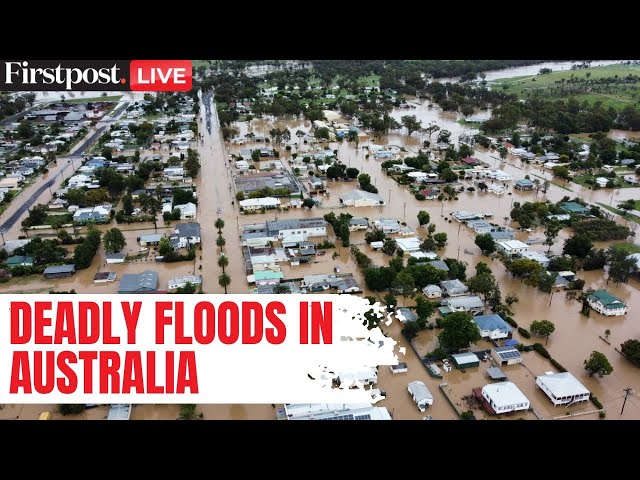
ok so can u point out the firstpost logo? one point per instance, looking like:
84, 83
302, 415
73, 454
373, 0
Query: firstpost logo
99, 75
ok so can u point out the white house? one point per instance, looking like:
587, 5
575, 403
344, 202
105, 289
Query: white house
360, 198
187, 211
253, 204
432, 291
469, 303
307, 227
512, 247
496, 189
408, 245
387, 225
506, 355
115, 257
602, 182
173, 173
492, 326
606, 303
562, 388
480, 226
541, 258
78, 181
418, 176
185, 235
242, 165
420, 394
180, 282
366, 377
504, 397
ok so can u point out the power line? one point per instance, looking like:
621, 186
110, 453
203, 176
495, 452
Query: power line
627, 392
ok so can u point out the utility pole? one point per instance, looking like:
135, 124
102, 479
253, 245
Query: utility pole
389, 196
404, 212
627, 393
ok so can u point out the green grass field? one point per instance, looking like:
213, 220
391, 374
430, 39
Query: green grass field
585, 179
618, 96
629, 248
628, 216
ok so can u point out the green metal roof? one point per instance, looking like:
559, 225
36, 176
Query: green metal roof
573, 207
607, 299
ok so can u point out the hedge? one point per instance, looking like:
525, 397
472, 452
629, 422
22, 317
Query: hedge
596, 402
511, 321
557, 365
538, 347
524, 332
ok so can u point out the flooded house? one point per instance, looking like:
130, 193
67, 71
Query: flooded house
606, 303
144, 282
465, 360
185, 235
420, 394
506, 355
187, 211
256, 204
59, 271
502, 397
432, 291
562, 388
468, 303
387, 225
360, 198
356, 224
453, 288
337, 411
512, 247
492, 326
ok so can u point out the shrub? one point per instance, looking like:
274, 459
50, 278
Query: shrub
557, 365
71, 409
325, 245
596, 402
511, 322
538, 347
420, 196
524, 332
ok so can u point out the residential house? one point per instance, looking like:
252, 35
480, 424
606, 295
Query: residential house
492, 326
254, 204
9, 183
417, 176
562, 388
463, 216
454, 288
420, 394
173, 173
181, 282
360, 198
112, 257
430, 194
507, 355
185, 235
439, 264
150, 239
524, 184
541, 258
187, 211
376, 245
406, 315
606, 303
512, 247
387, 225
432, 291
574, 208
337, 411
356, 224
468, 303
307, 227
408, 245
504, 397
465, 360
368, 376
79, 181
97, 214
602, 182
428, 255
144, 282
60, 271
496, 189
480, 226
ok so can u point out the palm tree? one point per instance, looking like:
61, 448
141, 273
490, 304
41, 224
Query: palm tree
224, 281
25, 230
223, 262
221, 242
219, 225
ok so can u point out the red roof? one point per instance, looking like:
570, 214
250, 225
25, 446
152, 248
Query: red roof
429, 193
470, 160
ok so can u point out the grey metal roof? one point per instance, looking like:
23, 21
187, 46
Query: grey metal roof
495, 373
492, 322
358, 221
274, 226
60, 269
439, 264
454, 286
146, 281
110, 256
190, 229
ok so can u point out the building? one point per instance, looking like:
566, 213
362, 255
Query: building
541, 258
427, 255
432, 291
387, 225
337, 411
98, 214
187, 211
60, 271
253, 204
454, 288
185, 235
512, 247
574, 208
406, 315
115, 257
145, 282
104, 277
420, 394
504, 397
602, 182
524, 184
493, 326
480, 226
496, 188
408, 245
367, 376
506, 355
181, 282
19, 261
562, 388
439, 264
469, 303
150, 239
120, 411
360, 198
356, 224
463, 216
495, 374
377, 245
502, 235
606, 303
465, 360
307, 227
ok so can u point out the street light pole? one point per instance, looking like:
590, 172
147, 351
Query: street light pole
404, 212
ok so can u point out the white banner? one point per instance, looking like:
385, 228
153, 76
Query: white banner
188, 349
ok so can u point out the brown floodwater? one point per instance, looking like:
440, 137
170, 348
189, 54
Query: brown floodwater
575, 336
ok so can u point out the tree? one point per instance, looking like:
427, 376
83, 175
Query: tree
551, 232
424, 308
70, 409
221, 242
561, 171
411, 330
621, 265
165, 247
486, 243
282, 289
84, 253
219, 224
458, 332
578, 246
423, 217
511, 298
411, 123
404, 285
389, 247
391, 301
483, 284
127, 204
631, 350
503, 153
545, 186
114, 240
607, 332
627, 205
457, 269
441, 239
544, 328
76, 196
223, 262
192, 164
224, 281
598, 364
352, 172
322, 133
188, 412
308, 203
482, 267
444, 136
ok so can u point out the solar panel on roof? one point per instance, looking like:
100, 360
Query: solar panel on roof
510, 354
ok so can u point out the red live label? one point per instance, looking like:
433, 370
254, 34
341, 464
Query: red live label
160, 75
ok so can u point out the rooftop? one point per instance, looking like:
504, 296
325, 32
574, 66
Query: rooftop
507, 353
496, 374
492, 322
454, 286
190, 229
420, 391
562, 384
139, 282
505, 394
573, 207
294, 223
463, 358
60, 269
361, 195
607, 299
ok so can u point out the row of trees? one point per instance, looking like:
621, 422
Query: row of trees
224, 280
